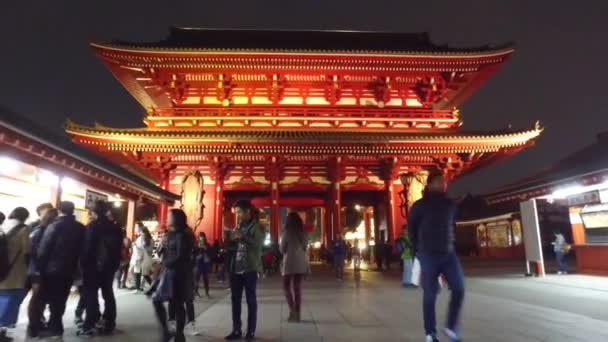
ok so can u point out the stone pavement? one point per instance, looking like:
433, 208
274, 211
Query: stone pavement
376, 308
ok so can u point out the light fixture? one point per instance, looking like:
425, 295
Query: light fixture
47, 177
8, 165
357, 207
117, 204
68, 184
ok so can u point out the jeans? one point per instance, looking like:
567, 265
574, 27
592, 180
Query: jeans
431, 267
190, 317
10, 301
292, 286
339, 265
248, 282
82, 303
92, 284
161, 315
560, 257
35, 310
202, 272
56, 290
121, 275
408, 264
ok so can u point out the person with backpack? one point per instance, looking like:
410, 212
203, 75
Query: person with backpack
404, 248
99, 263
37, 301
14, 251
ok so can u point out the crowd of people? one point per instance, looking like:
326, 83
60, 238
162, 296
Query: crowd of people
57, 252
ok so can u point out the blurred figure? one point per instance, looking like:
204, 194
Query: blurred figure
175, 280
58, 256
15, 249
561, 249
2, 219
125, 258
293, 245
203, 262
431, 232
37, 303
339, 251
404, 248
100, 261
40, 211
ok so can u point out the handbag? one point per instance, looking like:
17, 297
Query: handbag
166, 286
416, 271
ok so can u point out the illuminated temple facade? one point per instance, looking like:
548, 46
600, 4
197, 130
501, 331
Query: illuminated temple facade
300, 120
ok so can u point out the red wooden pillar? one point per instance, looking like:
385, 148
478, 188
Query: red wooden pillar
163, 208
274, 211
218, 212
337, 208
391, 230
335, 173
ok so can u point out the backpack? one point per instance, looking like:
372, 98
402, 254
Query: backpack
5, 262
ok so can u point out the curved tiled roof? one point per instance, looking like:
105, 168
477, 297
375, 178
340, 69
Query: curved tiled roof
19, 123
234, 40
148, 136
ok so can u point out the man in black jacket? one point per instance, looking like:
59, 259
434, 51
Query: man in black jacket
58, 257
431, 223
100, 261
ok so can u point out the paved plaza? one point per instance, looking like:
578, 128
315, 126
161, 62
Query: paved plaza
498, 307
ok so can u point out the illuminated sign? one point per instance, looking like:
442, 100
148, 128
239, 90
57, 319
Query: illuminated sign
591, 197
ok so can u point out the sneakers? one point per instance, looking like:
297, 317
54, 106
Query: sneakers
86, 332
235, 335
250, 336
452, 335
431, 338
191, 330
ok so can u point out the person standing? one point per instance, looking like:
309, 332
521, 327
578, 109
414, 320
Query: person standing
379, 252
248, 237
15, 242
100, 261
137, 257
431, 224
203, 264
339, 255
404, 248
37, 302
58, 257
293, 245
175, 280
40, 211
561, 248
125, 256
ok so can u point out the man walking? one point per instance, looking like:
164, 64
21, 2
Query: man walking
100, 261
58, 256
248, 238
432, 233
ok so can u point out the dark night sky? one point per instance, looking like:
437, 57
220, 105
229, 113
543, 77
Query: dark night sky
557, 75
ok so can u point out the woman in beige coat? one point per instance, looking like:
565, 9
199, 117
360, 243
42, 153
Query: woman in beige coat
293, 246
12, 285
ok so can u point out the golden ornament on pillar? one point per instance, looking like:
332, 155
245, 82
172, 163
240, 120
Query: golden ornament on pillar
192, 198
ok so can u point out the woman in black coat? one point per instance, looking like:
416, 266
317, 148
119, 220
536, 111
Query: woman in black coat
175, 284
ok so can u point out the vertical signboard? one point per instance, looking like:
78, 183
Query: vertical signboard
532, 239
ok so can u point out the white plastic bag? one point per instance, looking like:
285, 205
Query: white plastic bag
416, 272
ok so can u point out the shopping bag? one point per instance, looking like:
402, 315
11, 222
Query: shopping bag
416, 272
